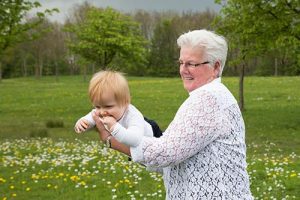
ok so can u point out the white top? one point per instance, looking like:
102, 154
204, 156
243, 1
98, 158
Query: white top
202, 152
130, 129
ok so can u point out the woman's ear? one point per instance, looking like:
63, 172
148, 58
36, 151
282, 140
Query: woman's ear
217, 68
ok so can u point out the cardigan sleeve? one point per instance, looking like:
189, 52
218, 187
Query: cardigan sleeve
197, 123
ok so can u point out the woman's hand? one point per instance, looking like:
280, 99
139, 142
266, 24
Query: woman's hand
103, 133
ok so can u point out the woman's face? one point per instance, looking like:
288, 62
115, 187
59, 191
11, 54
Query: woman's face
109, 106
195, 77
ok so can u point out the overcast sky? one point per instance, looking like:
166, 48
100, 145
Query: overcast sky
130, 5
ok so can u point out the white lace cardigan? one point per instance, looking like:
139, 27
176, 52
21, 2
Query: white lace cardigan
202, 152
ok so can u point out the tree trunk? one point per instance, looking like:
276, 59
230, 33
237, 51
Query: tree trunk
0, 71
93, 68
41, 65
24, 71
84, 73
37, 70
241, 88
276, 67
56, 70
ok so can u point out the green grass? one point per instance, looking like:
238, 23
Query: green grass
42, 157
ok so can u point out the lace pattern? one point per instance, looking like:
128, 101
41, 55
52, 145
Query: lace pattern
202, 152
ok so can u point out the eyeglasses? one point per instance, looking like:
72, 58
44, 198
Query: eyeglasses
193, 65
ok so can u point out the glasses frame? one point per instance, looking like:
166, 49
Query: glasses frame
191, 65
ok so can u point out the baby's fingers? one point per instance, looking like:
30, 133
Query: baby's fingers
84, 124
77, 129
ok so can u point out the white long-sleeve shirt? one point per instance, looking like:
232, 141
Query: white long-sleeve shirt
202, 152
130, 129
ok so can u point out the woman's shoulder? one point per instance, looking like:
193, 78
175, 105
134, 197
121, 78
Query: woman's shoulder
215, 91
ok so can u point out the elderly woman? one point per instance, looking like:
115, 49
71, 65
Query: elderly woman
202, 153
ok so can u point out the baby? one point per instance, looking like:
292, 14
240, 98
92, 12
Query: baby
110, 95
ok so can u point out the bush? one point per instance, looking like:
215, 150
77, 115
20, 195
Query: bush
54, 124
39, 133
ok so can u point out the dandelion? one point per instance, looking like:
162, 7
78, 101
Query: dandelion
27, 189
2, 180
75, 178
126, 181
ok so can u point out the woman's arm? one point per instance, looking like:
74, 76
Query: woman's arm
197, 123
104, 134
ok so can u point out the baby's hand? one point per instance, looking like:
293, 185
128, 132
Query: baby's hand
81, 125
109, 122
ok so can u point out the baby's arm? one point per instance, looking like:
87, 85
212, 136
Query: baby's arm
132, 135
84, 123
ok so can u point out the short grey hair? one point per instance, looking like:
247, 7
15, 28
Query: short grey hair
214, 46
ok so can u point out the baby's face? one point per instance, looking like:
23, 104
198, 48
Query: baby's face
109, 107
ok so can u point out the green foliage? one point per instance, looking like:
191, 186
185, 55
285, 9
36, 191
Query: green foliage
12, 15
257, 27
105, 34
164, 50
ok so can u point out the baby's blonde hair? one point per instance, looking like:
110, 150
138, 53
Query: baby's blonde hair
109, 81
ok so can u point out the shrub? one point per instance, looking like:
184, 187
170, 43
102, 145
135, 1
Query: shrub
39, 133
54, 124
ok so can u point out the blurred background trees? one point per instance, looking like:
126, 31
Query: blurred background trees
263, 39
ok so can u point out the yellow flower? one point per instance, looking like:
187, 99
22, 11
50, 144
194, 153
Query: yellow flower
14, 194
82, 183
12, 187
28, 189
2, 180
75, 178
293, 175
34, 176
127, 181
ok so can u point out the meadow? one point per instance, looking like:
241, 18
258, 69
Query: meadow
42, 157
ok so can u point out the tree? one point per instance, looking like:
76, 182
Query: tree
164, 50
257, 27
106, 34
12, 27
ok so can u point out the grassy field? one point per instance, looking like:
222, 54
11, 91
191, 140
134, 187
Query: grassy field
42, 157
